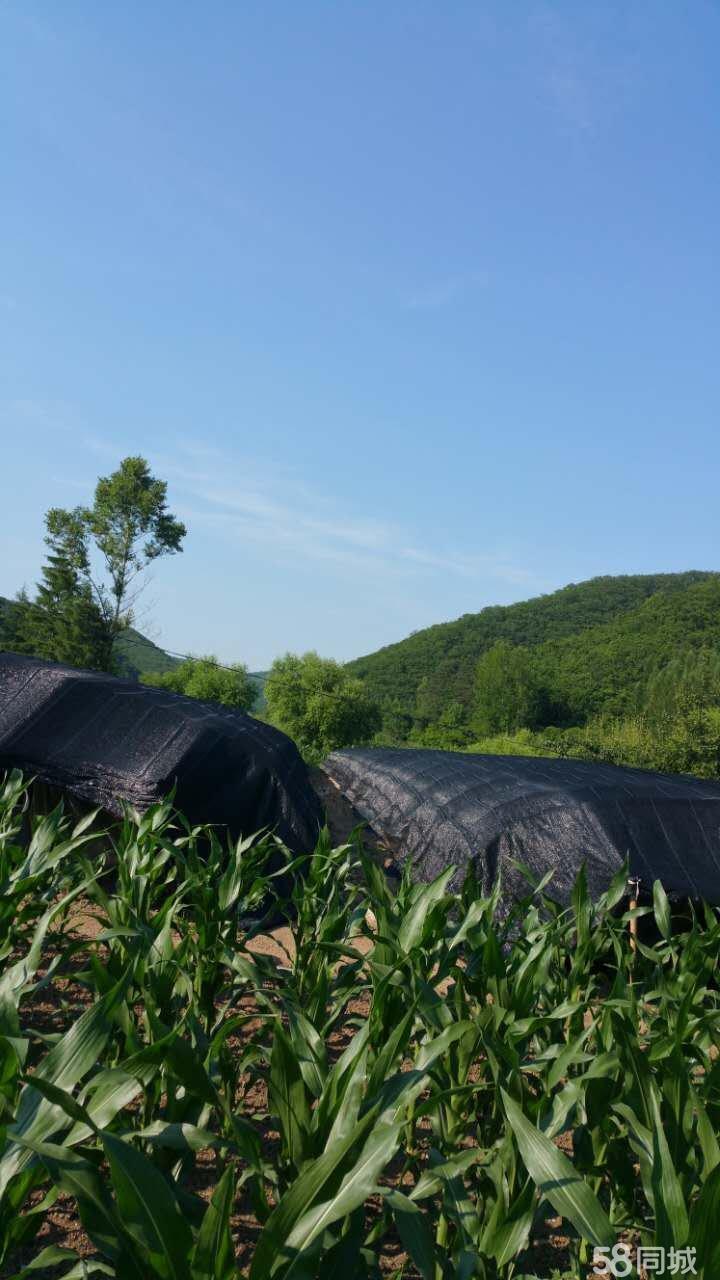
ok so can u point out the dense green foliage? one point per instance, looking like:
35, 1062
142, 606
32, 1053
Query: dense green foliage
615, 668
687, 741
319, 704
133, 653
446, 655
508, 694
63, 623
206, 679
619, 669
130, 527
608, 669
413, 1073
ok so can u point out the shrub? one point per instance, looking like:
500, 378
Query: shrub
204, 678
319, 704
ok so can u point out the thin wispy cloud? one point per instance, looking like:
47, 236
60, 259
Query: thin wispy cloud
586, 72
442, 293
285, 520
27, 412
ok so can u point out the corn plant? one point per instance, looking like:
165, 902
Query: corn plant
411, 1084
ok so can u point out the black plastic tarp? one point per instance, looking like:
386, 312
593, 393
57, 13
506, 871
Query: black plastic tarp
443, 808
111, 742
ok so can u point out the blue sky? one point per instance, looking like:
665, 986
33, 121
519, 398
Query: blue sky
416, 306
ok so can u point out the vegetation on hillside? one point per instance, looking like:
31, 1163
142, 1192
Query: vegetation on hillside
641, 687
135, 655
587, 671
205, 678
445, 656
410, 1086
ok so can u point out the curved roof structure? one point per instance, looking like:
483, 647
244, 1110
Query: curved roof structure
443, 808
111, 742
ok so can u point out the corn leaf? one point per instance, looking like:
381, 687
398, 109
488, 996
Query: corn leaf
557, 1180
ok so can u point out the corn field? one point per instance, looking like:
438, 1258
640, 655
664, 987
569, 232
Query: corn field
409, 1086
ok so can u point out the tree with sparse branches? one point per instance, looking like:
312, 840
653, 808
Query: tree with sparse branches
98, 554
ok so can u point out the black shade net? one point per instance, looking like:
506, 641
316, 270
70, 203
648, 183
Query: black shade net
441, 809
111, 742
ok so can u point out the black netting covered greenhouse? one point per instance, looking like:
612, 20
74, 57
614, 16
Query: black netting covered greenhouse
441, 809
110, 742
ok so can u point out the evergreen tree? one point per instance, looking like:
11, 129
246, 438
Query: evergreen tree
62, 623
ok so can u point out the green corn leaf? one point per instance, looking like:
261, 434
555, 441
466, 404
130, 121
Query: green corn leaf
707, 1137
557, 1180
310, 1051
431, 1180
476, 912
572, 1055
77, 1177
414, 1231
65, 1065
661, 908
288, 1096
106, 1095
435, 1048
671, 1217
64, 1101
14, 979
703, 1229
350, 1066
54, 1257
412, 927
176, 1136
348, 1107
508, 1232
318, 1176
341, 1260
214, 1257
390, 1051
148, 1210
358, 1184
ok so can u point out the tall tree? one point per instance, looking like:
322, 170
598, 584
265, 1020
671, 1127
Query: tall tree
125, 530
130, 526
92, 577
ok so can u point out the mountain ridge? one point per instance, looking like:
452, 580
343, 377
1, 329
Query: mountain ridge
438, 662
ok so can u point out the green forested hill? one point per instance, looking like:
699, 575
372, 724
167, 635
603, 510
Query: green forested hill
136, 655
606, 669
594, 642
